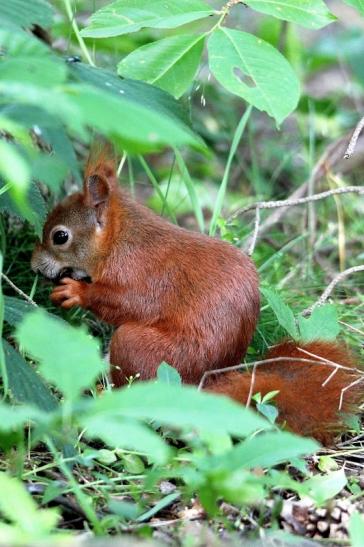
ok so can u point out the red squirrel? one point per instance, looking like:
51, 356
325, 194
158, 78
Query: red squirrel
182, 297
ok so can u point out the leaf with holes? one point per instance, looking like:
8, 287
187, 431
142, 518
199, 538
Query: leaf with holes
253, 69
124, 16
308, 13
170, 63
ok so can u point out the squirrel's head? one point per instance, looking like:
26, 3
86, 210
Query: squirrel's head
75, 232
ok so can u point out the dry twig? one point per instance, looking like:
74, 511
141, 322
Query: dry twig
19, 291
354, 139
290, 203
325, 295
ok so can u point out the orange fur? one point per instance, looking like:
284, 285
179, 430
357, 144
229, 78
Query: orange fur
305, 405
176, 296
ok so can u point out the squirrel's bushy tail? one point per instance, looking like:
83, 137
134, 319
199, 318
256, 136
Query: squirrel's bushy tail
312, 398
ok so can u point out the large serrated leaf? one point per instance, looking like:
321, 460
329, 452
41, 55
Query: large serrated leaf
180, 407
68, 357
253, 69
124, 16
308, 13
25, 384
170, 63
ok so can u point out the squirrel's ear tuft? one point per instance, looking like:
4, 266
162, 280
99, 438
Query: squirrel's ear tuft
96, 190
100, 175
101, 162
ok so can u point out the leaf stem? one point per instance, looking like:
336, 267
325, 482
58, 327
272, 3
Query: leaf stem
76, 30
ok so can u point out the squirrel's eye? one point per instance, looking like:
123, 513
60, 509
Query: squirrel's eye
60, 237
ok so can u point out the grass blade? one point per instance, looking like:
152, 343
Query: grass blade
222, 190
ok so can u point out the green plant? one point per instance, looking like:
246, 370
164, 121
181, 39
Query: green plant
113, 450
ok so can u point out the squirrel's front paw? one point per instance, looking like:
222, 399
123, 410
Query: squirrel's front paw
69, 293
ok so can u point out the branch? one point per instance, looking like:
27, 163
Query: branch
289, 202
331, 159
19, 291
354, 139
325, 295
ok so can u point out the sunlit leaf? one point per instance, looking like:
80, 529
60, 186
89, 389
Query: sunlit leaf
253, 69
170, 63
124, 16
308, 13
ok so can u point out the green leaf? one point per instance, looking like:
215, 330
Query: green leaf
138, 127
180, 407
15, 310
17, 42
269, 411
264, 450
124, 16
119, 433
170, 63
239, 131
68, 356
25, 14
18, 506
357, 4
42, 71
14, 169
168, 374
15, 417
50, 170
25, 384
253, 69
322, 324
327, 463
356, 529
312, 14
131, 462
282, 312
325, 487
142, 93
34, 211
161, 504
191, 189
50, 130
